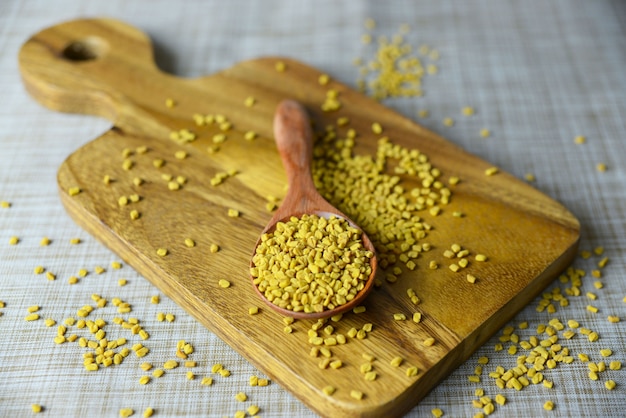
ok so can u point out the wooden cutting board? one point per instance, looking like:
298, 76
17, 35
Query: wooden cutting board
105, 67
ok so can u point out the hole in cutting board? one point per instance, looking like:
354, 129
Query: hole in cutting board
84, 50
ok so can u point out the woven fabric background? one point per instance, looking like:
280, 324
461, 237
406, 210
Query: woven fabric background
539, 73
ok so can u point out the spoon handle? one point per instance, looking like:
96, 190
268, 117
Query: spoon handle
294, 139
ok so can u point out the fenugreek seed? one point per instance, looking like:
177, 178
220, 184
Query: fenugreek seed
359, 309
206, 381
448, 122
491, 171
396, 361
615, 365
437, 412
214, 248
412, 371
356, 394
467, 111
328, 390
14, 240
170, 364
591, 308
162, 252
607, 352
233, 213
601, 167
428, 342
32, 317
399, 317
73, 191
148, 412
5, 205
144, 380
158, 373
223, 283
280, 66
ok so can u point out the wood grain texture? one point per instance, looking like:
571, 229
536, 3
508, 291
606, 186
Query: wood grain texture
109, 71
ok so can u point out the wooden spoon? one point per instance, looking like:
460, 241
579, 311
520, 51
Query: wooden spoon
294, 139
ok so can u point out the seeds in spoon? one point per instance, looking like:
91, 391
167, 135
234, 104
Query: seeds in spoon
311, 264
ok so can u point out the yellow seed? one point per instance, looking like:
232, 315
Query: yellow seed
396, 361
356, 394
491, 171
336, 364
148, 412
158, 373
480, 257
169, 102
471, 278
601, 167
607, 352
162, 252
4, 204
280, 66
591, 308
437, 412
467, 111
170, 364
190, 243
412, 371
615, 365
328, 390
144, 380
580, 139
13, 240
250, 135
36, 408
250, 101
32, 317
45, 241
214, 248
448, 122
206, 381
73, 191
377, 128
223, 283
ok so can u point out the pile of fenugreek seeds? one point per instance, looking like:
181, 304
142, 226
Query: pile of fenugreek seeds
311, 264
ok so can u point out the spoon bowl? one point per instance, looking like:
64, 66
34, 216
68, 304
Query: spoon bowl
294, 140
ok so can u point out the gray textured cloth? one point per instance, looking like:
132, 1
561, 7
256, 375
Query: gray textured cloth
538, 74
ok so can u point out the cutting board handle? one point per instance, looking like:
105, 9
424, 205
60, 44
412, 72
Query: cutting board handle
92, 66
